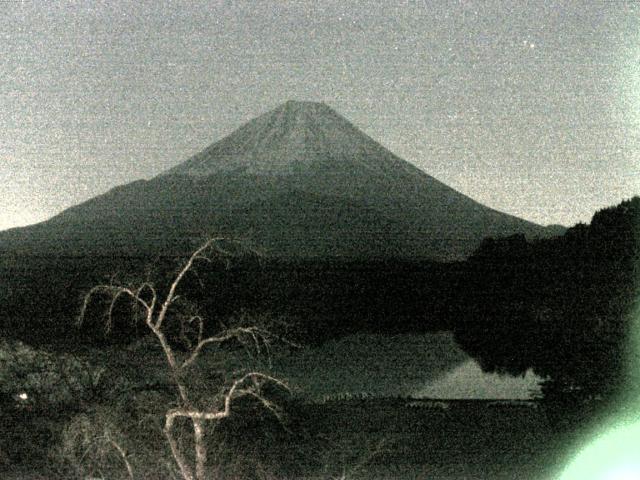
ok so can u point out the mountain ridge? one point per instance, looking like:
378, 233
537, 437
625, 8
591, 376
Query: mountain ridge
314, 134
299, 180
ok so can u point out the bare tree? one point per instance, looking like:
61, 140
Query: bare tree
156, 311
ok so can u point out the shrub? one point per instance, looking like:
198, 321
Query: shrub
36, 380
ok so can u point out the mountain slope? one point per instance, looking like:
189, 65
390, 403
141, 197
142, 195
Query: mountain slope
297, 181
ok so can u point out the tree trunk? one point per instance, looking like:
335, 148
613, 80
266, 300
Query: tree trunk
201, 449
185, 471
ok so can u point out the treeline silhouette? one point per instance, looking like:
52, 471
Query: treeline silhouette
317, 299
561, 306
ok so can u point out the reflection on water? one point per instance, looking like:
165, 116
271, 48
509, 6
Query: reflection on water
378, 365
428, 365
468, 381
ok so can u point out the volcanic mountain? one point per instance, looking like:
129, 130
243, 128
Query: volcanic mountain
298, 181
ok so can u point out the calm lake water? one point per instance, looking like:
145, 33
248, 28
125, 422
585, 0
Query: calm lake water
429, 365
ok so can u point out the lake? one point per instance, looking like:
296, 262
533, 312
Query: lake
418, 366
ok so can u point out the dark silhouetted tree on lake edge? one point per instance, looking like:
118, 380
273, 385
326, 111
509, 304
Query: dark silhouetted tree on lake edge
560, 306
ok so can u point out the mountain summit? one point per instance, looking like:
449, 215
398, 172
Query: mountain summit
298, 181
294, 138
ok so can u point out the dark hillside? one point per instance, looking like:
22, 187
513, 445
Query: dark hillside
561, 306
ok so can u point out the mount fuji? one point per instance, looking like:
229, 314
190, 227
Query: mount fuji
297, 181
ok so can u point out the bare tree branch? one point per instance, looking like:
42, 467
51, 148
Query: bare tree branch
253, 338
235, 333
115, 292
123, 454
234, 392
183, 465
170, 298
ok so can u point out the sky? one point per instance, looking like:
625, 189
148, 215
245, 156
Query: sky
530, 107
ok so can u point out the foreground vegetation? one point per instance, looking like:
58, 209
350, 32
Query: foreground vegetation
76, 437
